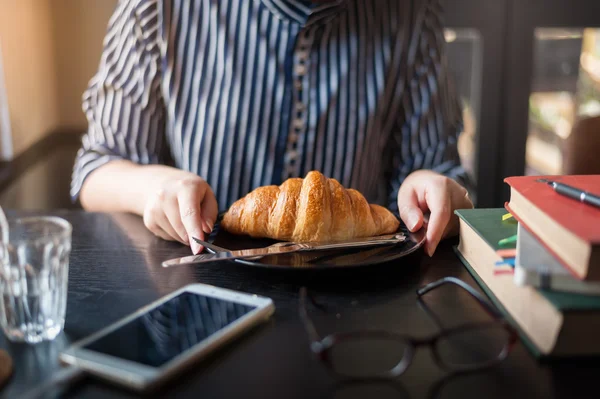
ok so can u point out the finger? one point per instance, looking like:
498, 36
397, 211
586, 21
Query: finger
164, 235
210, 209
171, 211
156, 221
155, 228
189, 200
439, 202
408, 206
165, 229
460, 200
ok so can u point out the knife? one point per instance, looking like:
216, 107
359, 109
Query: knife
284, 248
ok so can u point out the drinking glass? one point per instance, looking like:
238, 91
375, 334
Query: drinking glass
33, 278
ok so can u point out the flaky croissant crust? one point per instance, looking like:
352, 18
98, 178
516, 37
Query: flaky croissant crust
315, 208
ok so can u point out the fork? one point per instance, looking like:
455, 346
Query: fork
217, 248
210, 246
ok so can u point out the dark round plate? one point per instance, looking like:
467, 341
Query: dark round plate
330, 259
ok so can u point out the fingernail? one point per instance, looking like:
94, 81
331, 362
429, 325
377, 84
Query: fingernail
194, 246
431, 248
412, 219
207, 226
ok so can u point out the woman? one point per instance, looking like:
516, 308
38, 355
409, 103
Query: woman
236, 95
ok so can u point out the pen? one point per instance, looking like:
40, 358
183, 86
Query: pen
575, 193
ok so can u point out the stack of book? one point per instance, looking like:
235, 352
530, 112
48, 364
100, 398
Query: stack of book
547, 279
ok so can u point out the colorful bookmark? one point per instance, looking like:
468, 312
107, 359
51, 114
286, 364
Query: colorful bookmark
508, 240
508, 271
508, 261
507, 253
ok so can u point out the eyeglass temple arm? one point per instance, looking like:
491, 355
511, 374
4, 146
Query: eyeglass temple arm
308, 323
430, 313
453, 280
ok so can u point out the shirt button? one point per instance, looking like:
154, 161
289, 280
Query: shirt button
301, 70
298, 85
305, 39
302, 55
290, 171
298, 124
291, 155
300, 106
293, 137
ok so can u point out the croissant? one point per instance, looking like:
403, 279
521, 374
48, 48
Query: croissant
315, 208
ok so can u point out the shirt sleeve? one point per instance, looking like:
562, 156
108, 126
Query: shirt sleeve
123, 103
430, 118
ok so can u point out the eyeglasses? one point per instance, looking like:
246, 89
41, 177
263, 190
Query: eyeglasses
382, 354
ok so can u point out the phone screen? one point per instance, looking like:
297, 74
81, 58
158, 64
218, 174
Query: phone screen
170, 329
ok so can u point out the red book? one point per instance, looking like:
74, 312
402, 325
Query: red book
568, 228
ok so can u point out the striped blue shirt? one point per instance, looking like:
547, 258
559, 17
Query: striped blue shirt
247, 93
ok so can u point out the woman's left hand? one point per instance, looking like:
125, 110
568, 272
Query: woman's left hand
428, 191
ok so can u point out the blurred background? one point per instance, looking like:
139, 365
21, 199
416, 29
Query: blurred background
49, 49
528, 75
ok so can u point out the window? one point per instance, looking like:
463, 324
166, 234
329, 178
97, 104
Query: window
565, 90
465, 62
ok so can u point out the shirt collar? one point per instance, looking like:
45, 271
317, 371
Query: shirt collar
305, 12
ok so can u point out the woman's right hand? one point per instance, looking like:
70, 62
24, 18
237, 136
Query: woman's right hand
176, 205
181, 207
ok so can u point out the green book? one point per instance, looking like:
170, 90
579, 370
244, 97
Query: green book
489, 225
550, 323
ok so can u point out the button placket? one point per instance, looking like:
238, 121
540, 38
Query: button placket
300, 97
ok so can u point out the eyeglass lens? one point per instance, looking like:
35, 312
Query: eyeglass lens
368, 356
472, 347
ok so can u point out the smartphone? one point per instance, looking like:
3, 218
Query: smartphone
143, 350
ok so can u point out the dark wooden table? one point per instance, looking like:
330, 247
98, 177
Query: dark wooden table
115, 269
